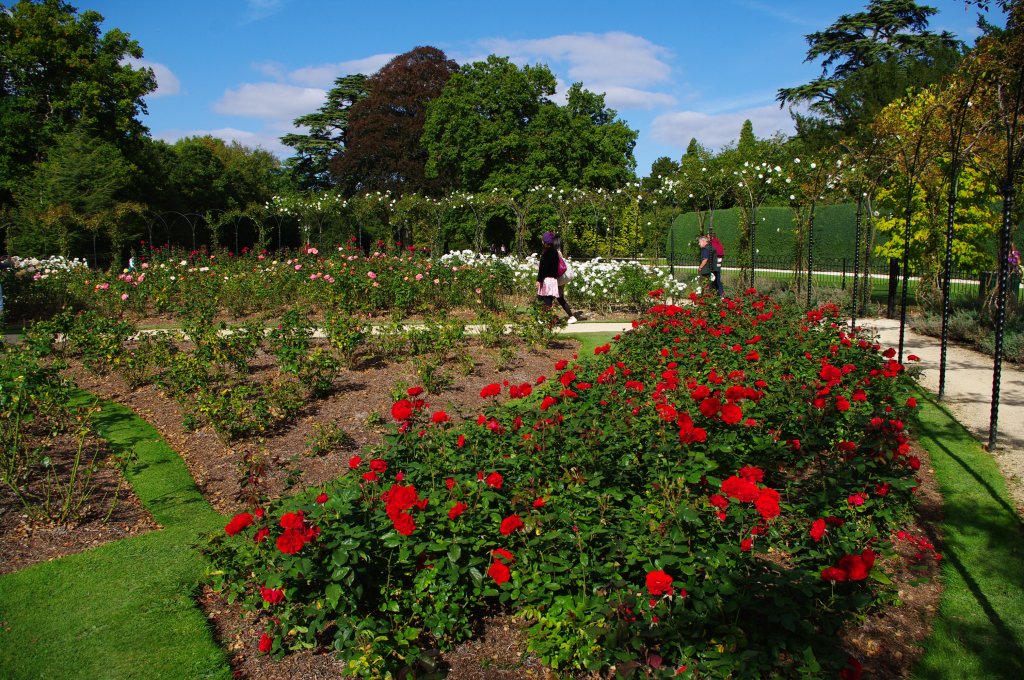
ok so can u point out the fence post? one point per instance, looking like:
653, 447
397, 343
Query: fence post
894, 280
672, 255
843, 284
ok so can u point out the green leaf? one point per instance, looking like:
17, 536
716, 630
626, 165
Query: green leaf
332, 593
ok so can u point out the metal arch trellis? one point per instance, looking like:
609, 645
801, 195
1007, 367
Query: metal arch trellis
188, 220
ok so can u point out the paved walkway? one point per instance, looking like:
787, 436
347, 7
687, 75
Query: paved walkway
968, 385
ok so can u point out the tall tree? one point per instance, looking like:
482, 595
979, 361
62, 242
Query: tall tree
327, 133
495, 127
74, 193
383, 150
476, 131
58, 72
869, 59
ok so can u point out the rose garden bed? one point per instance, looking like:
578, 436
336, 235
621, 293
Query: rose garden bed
621, 507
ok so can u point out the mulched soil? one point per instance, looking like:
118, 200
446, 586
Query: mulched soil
27, 538
887, 643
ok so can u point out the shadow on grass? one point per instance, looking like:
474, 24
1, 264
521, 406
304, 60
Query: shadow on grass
980, 627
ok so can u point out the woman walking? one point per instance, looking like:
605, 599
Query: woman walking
548, 289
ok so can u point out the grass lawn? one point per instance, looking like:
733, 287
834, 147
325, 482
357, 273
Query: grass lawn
979, 632
126, 610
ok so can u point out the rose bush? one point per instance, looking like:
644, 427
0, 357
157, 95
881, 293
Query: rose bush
680, 499
395, 283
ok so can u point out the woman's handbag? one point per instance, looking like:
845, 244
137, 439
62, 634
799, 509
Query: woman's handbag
565, 272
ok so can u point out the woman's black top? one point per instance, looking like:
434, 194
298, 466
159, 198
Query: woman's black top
548, 267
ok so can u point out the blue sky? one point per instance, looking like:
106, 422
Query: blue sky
244, 69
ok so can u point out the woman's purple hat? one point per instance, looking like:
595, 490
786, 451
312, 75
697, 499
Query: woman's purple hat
548, 237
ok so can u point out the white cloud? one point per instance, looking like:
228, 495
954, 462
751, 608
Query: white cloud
325, 74
718, 129
167, 84
275, 101
621, 65
613, 58
270, 69
631, 98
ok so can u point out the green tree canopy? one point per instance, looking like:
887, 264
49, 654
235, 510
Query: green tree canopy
327, 133
869, 58
495, 127
73, 192
58, 72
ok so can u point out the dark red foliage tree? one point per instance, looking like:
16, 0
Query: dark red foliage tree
383, 150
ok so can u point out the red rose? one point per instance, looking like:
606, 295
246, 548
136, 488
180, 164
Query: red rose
291, 541
354, 462
266, 643
548, 403
492, 390
538, 503
370, 476
854, 567
439, 417
717, 501
503, 555
833, 574
238, 523
659, 583
293, 520
379, 466
742, 490
499, 572
700, 393
746, 544
767, 503
414, 391
817, 529
450, 483
710, 406
461, 441
321, 499
842, 404
457, 510
401, 409
751, 473
404, 523
272, 595
261, 535
688, 433
561, 363
511, 524
494, 480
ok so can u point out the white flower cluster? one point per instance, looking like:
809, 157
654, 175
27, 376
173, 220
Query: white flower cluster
41, 269
597, 283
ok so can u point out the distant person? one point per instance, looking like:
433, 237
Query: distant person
547, 274
565, 275
503, 251
709, 262
720, 253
